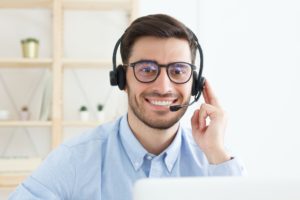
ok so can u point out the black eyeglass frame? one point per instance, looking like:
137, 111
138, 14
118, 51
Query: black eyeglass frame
193, 67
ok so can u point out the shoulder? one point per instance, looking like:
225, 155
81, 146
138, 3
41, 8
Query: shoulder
89, 145
59, 172
189, 145
98, 135
80, 151
187, 136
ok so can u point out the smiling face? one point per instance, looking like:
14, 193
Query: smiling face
149, 102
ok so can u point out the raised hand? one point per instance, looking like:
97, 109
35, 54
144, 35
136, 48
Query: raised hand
210, 137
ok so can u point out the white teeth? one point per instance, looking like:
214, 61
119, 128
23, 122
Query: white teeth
161, 103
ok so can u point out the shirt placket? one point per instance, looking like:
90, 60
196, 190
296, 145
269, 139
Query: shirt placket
156, 168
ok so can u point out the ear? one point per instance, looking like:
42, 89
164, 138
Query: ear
126, 88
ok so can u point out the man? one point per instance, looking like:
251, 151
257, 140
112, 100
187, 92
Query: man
157, 52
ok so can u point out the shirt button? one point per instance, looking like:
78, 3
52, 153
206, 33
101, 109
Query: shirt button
136, 164
149, 157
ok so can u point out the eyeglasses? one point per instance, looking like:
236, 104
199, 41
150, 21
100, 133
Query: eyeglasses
147, 71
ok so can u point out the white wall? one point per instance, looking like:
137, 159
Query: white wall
252, 58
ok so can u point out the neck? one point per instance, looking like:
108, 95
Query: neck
153, 140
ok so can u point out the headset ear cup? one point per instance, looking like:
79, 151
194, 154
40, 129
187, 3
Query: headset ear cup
201, 85
121, 77
195, 83
113, 78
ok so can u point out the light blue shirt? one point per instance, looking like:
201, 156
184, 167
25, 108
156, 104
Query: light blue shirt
104, 163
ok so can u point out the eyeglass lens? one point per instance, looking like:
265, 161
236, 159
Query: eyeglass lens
147, 71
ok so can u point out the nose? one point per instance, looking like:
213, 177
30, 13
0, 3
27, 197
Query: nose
162, 83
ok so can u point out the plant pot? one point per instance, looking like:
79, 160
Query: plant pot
84, 115
30, 48
24, 115
100, 116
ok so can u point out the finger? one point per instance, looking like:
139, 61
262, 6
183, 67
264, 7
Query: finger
202, 116
206, 110
195, 120
205, 96
209, 95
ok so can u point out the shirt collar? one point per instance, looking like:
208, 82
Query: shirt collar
172, 151
132, 146
136, 151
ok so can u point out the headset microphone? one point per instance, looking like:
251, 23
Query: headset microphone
197, 96
178, 107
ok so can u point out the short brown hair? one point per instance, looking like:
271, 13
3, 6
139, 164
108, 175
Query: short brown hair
159, 25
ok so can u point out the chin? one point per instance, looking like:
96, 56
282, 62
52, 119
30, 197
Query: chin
161, 120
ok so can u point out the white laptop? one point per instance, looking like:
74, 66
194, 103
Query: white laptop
217, 188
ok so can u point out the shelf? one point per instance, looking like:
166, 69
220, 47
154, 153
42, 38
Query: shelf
14, 170
11, 180
47, 123
76, 63
82, 123
25, 3
25, 62
97, 5
25, 123
19, 165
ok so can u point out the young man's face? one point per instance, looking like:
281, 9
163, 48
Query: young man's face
149, 102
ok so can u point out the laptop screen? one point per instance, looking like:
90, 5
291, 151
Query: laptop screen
217, 188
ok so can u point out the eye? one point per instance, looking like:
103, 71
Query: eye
146, 69
178, 69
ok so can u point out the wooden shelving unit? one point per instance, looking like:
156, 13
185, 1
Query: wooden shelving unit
25, 124
57, 63
16, 170
81, 123
97, 5
12, 4
76, 63
10, 180
21, 62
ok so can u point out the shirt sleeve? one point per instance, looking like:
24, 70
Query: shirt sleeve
54, 179
232, 167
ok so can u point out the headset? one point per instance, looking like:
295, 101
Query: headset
118, 75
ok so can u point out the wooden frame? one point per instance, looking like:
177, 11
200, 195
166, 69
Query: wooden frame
57, 63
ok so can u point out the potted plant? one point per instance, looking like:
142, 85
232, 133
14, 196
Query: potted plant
24, 114
84, 113
100, 112
30, 47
